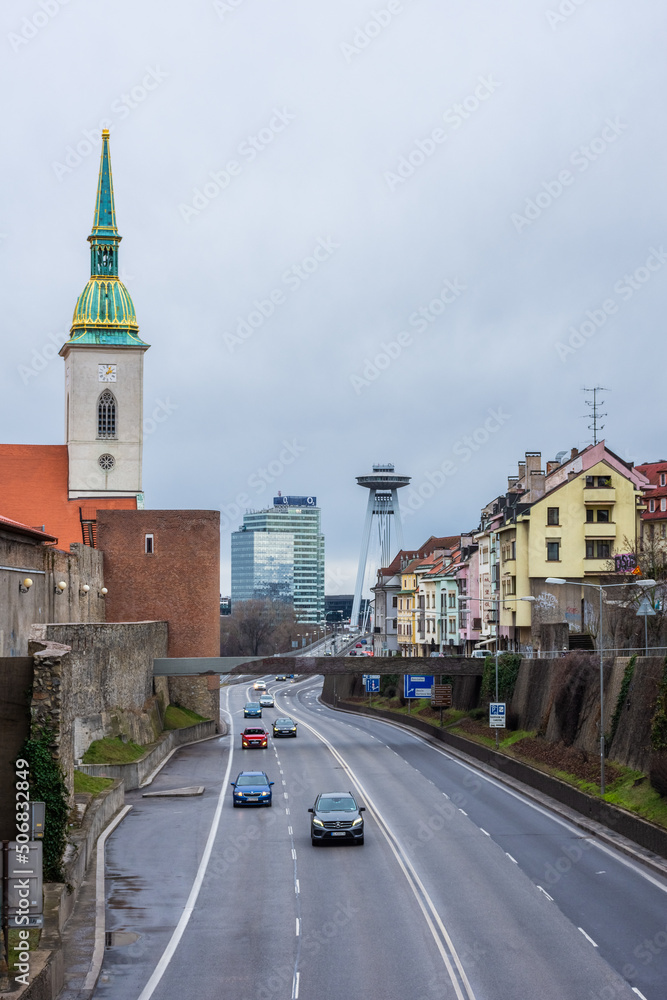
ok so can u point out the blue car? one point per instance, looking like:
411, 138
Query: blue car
252, 788
252, 710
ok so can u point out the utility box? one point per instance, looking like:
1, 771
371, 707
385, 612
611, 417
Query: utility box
37, 813
24, 879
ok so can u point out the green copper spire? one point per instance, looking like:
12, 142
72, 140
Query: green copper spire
104, 312
104, 223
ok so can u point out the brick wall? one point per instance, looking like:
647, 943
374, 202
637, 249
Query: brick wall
178, 583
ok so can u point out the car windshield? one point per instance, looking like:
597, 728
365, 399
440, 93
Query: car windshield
252, 704
283, 722
251, 779
254, 732
336, 803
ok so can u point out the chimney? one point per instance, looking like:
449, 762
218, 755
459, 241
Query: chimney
512, 482
551, 467
522, 470
533, 461
574, 453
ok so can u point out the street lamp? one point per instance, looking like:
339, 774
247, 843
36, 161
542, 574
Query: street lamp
598, 586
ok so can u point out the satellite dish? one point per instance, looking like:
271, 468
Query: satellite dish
559, 456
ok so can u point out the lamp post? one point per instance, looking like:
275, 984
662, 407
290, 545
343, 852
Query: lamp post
598, 586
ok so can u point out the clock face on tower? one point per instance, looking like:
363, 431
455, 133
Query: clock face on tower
106, 373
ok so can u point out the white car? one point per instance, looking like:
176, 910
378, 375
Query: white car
259, 686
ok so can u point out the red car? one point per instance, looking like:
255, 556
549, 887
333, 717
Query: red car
358, 646
254, 736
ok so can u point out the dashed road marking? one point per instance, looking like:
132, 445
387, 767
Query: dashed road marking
297, 889
550, 898
298, 926
463, 811
485, 832
293, 855
635, 990
587, 936
289, 830
512, 859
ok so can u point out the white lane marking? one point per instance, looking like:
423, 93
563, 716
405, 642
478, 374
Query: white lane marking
287, 812
484, 832
289, 830
588, 938
511, 858
281, 770
295, 986
611, 852
550, 898
285, 795
100, 904
425, 903
293, 855
297, 888
298, 926
463, 811
600, 873
635, 990
179, 930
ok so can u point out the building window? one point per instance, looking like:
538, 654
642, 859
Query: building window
590, 516
106, 415
149, 545
663, 479
603, 515
553, 551
452, 625
663, 530
663, 503
552, 515
598, 482
651, 506
598, 550
394, 602
452, 600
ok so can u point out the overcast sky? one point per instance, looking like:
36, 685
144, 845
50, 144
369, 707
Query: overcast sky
338, 166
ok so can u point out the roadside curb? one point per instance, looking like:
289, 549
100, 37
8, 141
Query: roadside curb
623, 844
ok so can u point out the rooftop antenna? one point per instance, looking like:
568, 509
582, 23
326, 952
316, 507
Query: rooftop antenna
595, 405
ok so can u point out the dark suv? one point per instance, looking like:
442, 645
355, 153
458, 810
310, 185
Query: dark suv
336, 816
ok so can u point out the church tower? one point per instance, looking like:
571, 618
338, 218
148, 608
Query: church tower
104, 366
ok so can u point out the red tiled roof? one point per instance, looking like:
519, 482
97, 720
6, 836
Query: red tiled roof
25, 529
34, 480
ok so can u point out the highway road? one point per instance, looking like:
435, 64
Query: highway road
463, 888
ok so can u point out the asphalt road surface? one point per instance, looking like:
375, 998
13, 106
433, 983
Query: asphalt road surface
463, 889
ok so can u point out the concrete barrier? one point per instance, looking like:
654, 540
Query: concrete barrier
135, 773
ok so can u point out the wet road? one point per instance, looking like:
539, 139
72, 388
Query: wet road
462, 889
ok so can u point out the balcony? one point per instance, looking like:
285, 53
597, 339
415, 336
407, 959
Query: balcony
599, 494
594, 567
600, 529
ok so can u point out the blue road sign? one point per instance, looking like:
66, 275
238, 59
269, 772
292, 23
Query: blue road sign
372, 682
497, 715
417, 686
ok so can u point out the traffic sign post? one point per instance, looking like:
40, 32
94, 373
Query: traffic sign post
645, 610
417, 686
441, 697
497, 715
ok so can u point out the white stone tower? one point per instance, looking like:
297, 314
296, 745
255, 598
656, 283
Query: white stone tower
104, 371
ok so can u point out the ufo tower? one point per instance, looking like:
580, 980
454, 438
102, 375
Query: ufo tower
383, 485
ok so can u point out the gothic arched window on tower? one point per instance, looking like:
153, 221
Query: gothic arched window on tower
106, 415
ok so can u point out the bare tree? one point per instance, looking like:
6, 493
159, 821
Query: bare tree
256, 628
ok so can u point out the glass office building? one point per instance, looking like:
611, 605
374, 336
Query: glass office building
279, 553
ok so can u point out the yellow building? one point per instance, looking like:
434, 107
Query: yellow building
407, 610
588, 513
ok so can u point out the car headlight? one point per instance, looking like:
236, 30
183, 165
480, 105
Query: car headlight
265, 793
358, 821
318, 822
293, 729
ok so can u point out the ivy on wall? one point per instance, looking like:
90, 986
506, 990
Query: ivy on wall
47, 784
628, 674
508, 671
659, 722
